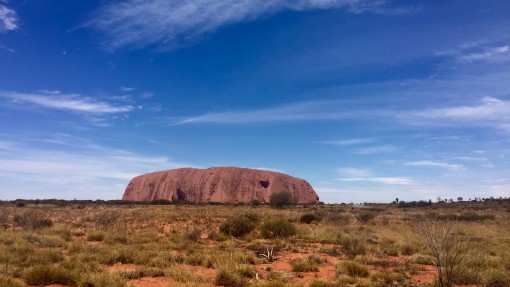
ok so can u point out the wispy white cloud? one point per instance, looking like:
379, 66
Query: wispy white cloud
489, 111
355, 172
5, 48
8, 19
473, 52
80, 172
318, 110
439, 164
383, 180
172, 23
366, 175
348, 142
127, 89
269, 169
376, 149
486, 54
65, 102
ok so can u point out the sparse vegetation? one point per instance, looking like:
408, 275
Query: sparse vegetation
281, 199
238, 226
168, 242
278, 228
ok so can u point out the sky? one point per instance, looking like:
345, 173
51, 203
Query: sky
368, 101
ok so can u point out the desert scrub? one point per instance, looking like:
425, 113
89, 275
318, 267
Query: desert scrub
422, 259
193, 235
182, 274
96, 236
352, 268
32, 220
304, 265
353, 245
9, 282
309, 218
42, 275
321, 283
277, 228
237, 226
281, 199
142, 272
103, 280
229, 278
271, 283
365, 217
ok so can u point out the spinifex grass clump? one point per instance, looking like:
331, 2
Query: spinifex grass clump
304, 265
238, 226
353, 269
309, 218
278, 228
45, 275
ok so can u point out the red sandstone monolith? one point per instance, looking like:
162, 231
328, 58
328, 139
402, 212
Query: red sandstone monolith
217, 184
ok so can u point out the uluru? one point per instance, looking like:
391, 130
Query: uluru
217, 184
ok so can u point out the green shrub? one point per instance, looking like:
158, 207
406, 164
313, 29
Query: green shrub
278, 228
103, 280
352, 269
365, 217
193, 235
216, 236
31, 219
281, 199
95, 236
308, 218
245, 270
384, 279
304, 265
229, 278
45, 275
252, 216
237, 226
423, 259
352, 245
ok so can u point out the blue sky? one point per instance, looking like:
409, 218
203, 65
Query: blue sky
367, 100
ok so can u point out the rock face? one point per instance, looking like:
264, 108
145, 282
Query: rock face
217, 184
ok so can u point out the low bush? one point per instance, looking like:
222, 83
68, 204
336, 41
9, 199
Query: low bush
304, 265
237, 226
352, 245
278, 228
95, 236
365, 217
352, 269
281, 199
103, 280
31, 219
308, 218
229, 278
193, 235
321, 283
43, 275
422, 259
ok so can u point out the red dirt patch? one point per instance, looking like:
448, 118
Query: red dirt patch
427, 275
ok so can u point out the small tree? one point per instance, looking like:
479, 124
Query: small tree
281, 199
450, 248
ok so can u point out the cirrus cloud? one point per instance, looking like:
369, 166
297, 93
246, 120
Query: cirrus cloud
169, 24
8, 19
66, 102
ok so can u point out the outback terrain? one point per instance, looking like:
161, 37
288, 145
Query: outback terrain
100, 244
